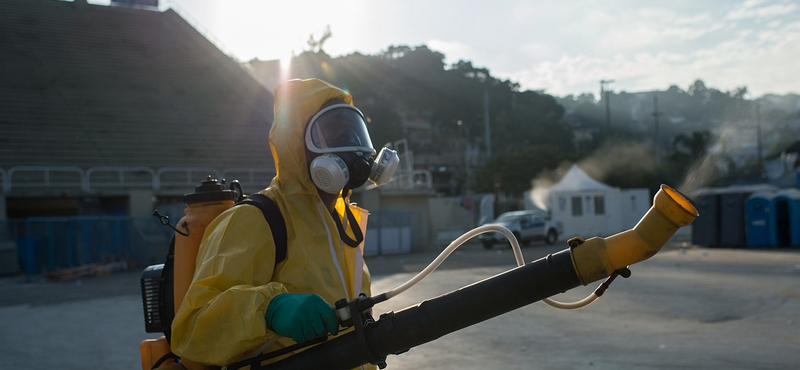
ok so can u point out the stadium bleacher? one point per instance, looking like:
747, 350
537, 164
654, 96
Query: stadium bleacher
106, 112
87, 85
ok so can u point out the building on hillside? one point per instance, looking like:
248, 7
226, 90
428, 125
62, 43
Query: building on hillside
590, 208
783, 169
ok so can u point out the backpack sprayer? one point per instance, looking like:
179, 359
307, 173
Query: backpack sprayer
164, 285
584, 262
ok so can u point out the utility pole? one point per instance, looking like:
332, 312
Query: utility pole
487, 132
656, 144
467, 164
606, 98
758, 137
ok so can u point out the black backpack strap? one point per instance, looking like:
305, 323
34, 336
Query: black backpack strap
166, 357
166, 300
275, 220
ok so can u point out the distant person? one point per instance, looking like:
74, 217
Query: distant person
238, 305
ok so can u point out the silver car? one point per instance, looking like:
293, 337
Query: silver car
526, 226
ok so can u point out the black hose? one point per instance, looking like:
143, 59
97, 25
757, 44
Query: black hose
397, 332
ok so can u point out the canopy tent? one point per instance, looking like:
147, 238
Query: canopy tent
577, 180
588, 207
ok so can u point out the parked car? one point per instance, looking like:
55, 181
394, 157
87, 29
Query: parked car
526, 226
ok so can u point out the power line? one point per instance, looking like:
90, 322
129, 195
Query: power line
656, 144
603, 90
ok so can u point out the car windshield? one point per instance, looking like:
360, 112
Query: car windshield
508, 218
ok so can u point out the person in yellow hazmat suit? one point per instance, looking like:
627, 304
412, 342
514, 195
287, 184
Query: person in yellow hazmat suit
239, 303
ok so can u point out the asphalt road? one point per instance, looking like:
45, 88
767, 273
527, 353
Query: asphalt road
686, 308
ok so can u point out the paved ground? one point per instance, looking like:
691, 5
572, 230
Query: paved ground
686, 308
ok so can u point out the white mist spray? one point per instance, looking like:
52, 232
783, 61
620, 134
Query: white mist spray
732, 144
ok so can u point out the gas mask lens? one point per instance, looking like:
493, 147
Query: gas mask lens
339, 133
338, 128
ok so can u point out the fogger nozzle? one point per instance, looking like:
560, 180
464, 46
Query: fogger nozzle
597, 258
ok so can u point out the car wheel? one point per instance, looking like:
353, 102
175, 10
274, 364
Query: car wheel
551, 237
487, 244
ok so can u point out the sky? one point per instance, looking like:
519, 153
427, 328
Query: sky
561, 47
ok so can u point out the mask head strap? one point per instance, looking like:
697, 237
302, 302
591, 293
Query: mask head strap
351, 221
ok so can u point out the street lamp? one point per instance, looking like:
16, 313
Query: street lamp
466, 156
603, 84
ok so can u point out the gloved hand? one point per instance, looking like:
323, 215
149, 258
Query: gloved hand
301, 316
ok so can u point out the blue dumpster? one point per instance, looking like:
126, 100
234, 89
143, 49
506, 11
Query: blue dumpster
757, 213
785, 218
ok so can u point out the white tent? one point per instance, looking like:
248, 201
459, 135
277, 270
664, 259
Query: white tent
589, 208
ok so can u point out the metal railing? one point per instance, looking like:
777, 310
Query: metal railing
134, 177
45, 176
140, 177
250, 177
414, 180
182, 176
110, 173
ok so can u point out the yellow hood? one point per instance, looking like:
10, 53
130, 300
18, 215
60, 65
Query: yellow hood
296, 101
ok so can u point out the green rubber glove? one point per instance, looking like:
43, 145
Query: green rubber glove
301, 316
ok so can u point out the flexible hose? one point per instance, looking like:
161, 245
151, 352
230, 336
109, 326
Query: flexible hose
464, 238
452, 247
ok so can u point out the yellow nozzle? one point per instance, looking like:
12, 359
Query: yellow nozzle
598, 258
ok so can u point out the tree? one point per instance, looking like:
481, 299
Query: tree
534, 119
740, 92
698, 89
517, 168
694, 144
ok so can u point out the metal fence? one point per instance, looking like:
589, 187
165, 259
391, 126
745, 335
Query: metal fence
48, 244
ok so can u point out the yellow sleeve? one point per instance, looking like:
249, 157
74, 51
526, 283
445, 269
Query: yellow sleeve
222, 316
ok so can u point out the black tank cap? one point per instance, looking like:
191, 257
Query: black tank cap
210, 190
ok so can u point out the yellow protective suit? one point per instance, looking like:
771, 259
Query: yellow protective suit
221, 319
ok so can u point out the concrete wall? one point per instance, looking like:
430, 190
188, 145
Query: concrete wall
9, 258
449, 219
378, 199
634, 203
442, 220
140, 203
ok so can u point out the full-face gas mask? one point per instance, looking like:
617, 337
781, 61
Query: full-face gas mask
339, 133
